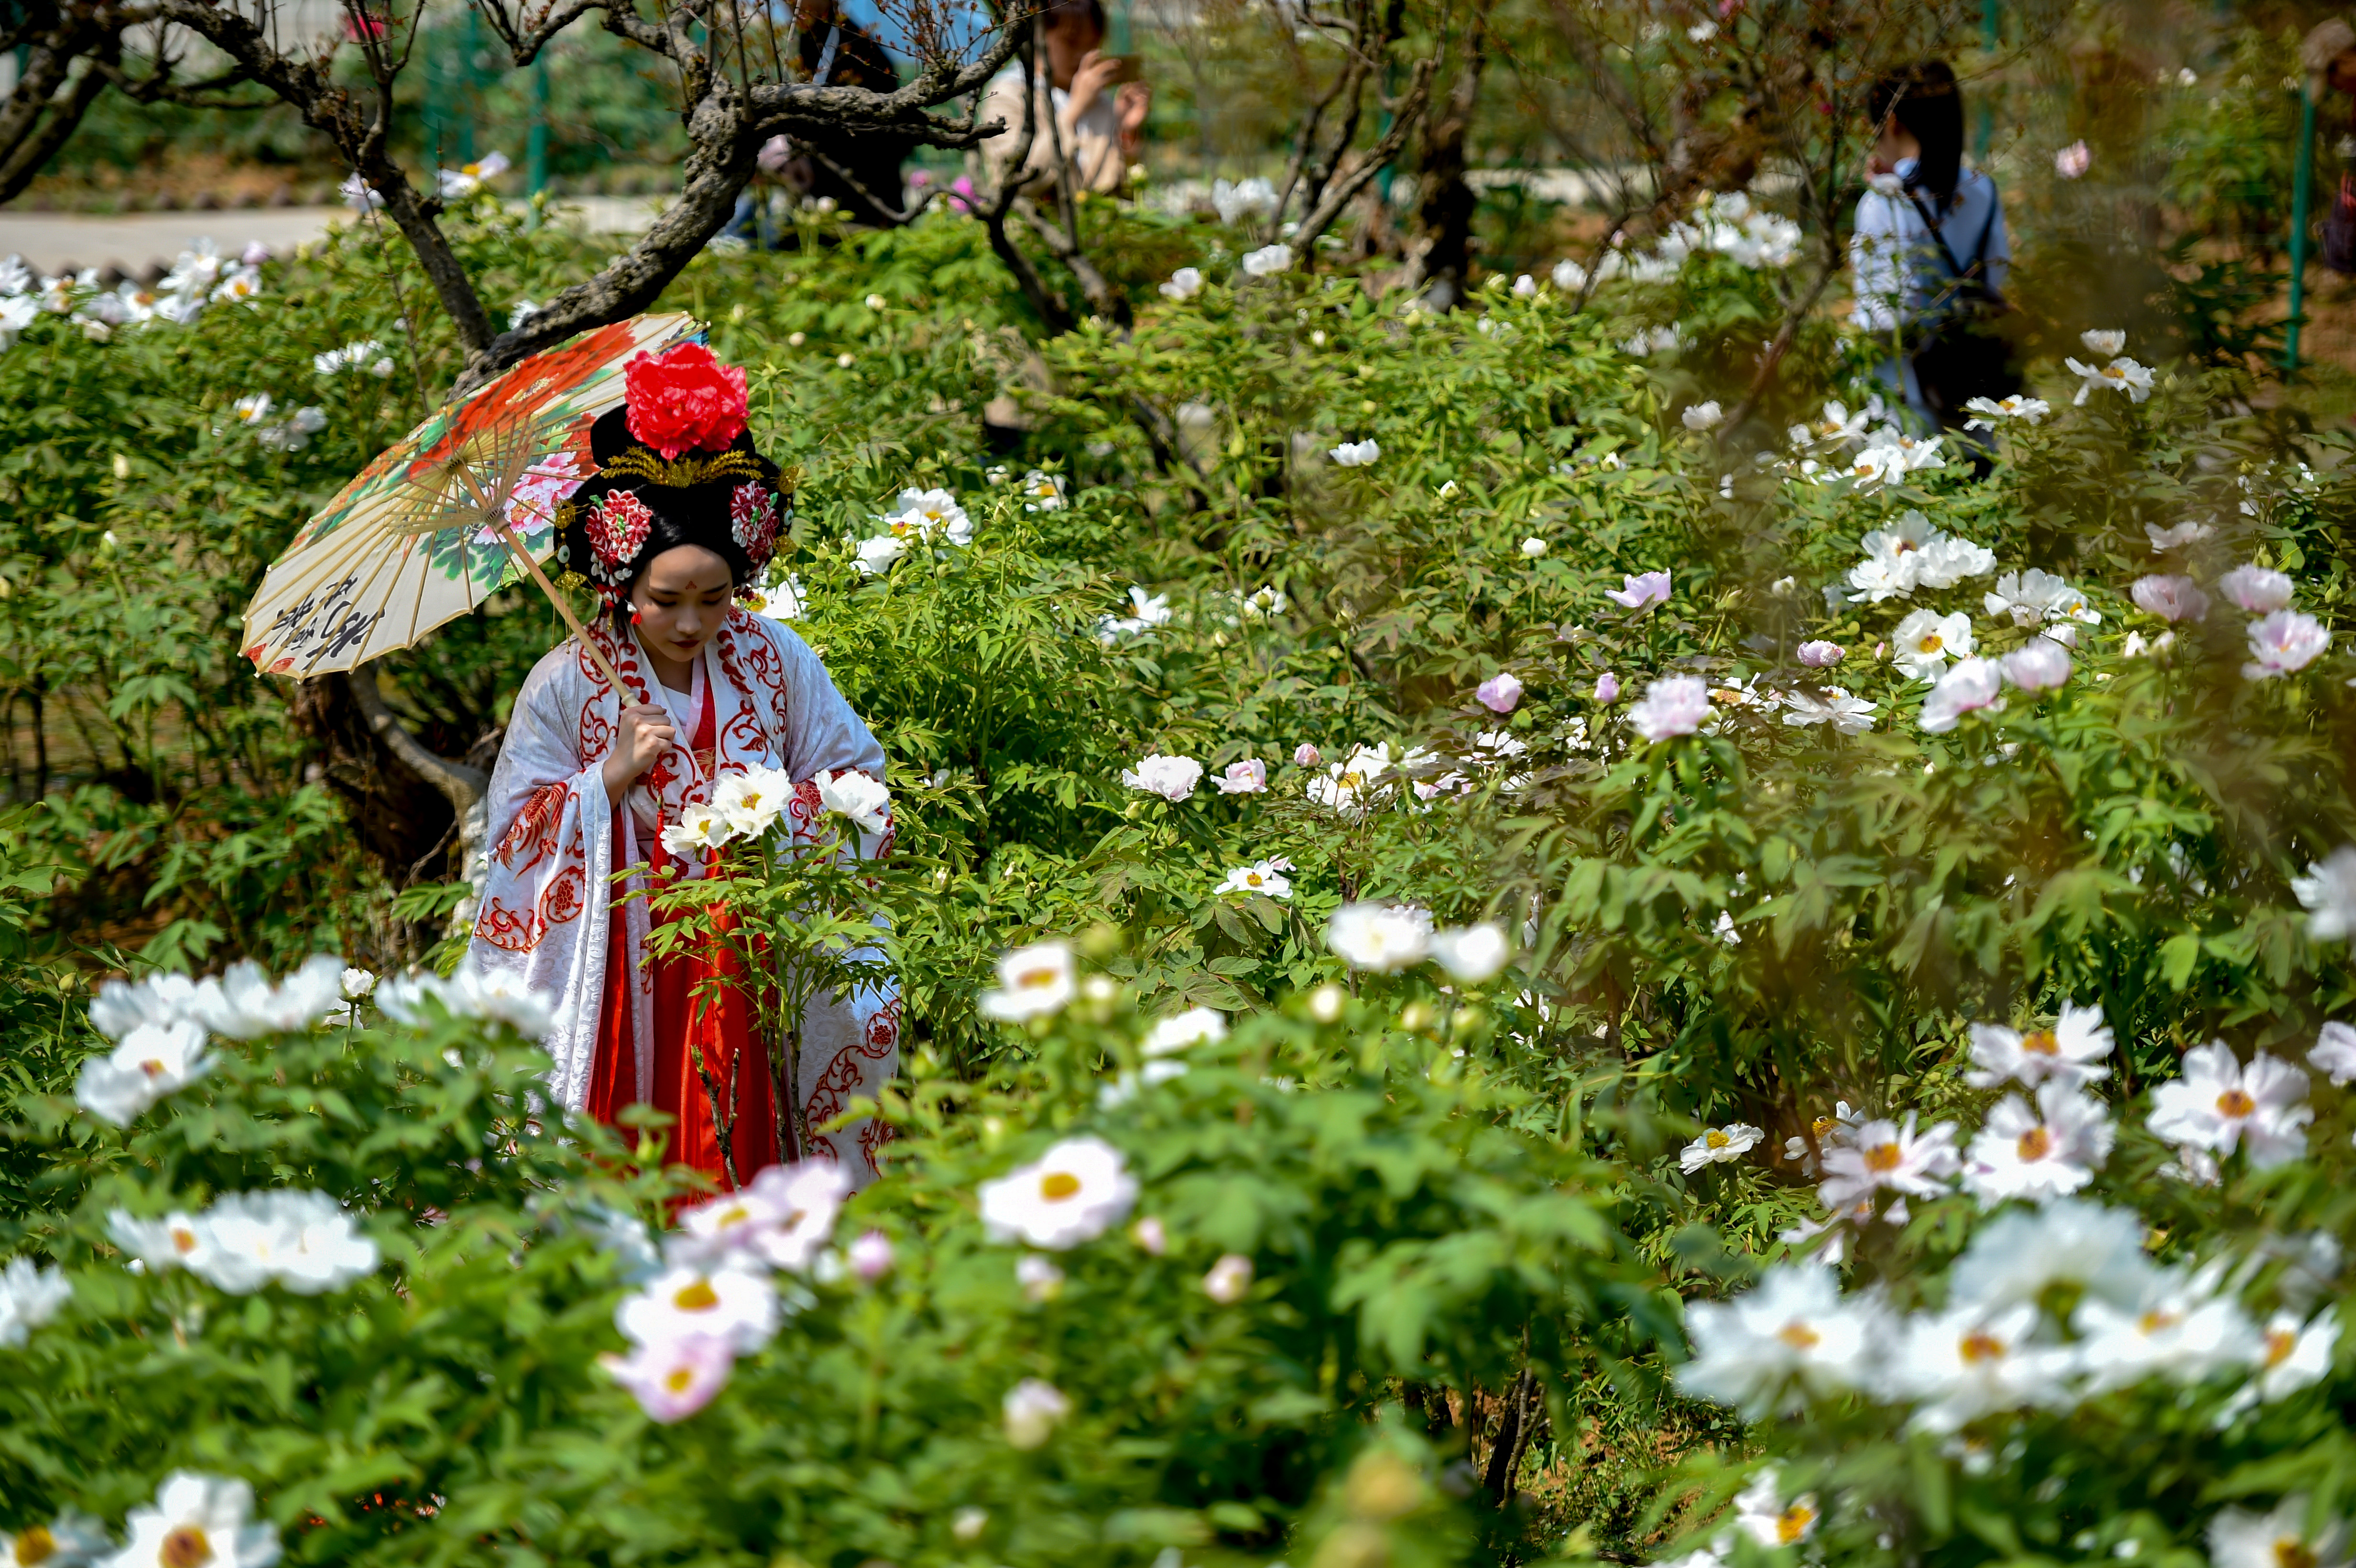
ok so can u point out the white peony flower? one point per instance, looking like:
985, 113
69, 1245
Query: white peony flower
1973, 1361
2240, 1539
921, 514
1717, 1145
72, 1540
2118, 375
1357, 453
1229, 1279
2218, 1105
1184, 285
2066, 1053
2050, 1151
1761, 1513
1472, 953
1039, 1278
2334, 1054
2039, 666
2183, 1329
1041, 492
1193, 1026
171, 1241
118, 1008
728, 1303
303, 1241
1350, 788
1172, 778
878, 554
1073, 1193
1033, 1408
1925, 640
1834, 706
1381, 937
1259, 876
2296, 1355
1789, 1339
197, 1521
2176, 538
493, 996
2327, 892
751, 801
1268, 261
2032, 598
1033, 982
864, 802
29, 1296
2028, 411
2016, 1258
2107, 345
357, 984
1704, 416
1886, 1156
154, 1059
698, 827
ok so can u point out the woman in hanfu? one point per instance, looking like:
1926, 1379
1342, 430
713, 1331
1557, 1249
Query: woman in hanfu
681, 516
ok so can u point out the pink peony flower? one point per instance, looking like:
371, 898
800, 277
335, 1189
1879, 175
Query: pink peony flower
1673, 707
1640, 591
2073, 161
2255, 588
1820, 654
1501, 693
1607, 688
1305, 755
2283, 642
256, 253
1246, 777
673, 1379
1968, 684
871, 1256
2043, 663
2170, 598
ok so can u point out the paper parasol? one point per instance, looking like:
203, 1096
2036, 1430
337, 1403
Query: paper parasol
445, 518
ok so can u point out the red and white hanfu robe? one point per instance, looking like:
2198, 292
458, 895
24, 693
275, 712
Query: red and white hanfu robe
553, 914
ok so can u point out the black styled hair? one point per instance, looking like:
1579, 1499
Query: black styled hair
1058, 10
1926, 100
689, 500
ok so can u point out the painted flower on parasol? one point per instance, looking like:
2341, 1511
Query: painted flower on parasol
444, 519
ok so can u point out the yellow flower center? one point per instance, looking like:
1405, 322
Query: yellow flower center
1037, 979
677, 1378
2291, 1553
2154, 1320
1930, 642
1980, 1346
1799, 1336
185, 1547
36, 1545
183, 1239
698, 1296
1715, 1139
1882, 1158
2041, 1043
1794, 1523
1352, 780
1058, 1185
2114, 373
2035, 1144
2234, 1103
1252, 878
2280, 1343
736, 1216
1821, 1125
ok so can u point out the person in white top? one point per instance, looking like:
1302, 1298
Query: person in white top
1916, 180
1098, 118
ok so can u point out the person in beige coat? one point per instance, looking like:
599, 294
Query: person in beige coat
1097, 118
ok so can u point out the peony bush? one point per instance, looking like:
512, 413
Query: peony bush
1517, 948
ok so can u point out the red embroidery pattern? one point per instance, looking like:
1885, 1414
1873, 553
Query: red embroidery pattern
535, 828
560, 902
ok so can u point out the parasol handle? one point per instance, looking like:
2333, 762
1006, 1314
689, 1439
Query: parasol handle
516, 548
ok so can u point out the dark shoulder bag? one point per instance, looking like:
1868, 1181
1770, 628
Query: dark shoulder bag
1963, 352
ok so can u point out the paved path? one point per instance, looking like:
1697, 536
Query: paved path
134, 241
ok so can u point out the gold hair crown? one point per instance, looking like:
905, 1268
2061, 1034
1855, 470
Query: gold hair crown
644, 465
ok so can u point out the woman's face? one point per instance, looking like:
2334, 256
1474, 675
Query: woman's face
681, 599
1070, 36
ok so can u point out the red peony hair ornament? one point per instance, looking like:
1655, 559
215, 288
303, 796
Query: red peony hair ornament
618, 527
686, 400
753, 519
